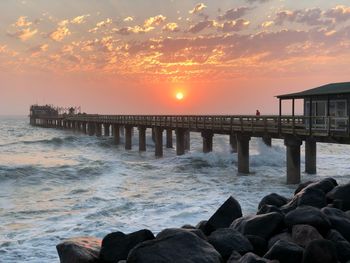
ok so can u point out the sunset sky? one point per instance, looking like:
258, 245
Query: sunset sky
132, 56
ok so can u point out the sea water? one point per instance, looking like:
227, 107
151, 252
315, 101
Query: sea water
57, 184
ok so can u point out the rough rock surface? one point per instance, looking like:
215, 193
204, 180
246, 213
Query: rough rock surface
285, 252
79, 250
320, 251
302, 235
273, 199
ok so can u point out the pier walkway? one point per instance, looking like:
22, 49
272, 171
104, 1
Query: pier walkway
294, 130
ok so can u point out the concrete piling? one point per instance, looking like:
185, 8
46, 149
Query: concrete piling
293, 159
243, 153
310, 155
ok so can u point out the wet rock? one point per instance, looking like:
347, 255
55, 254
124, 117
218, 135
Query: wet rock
227, 240
320, 251
307, 215
251, 258
265, 209
79, 250
341, 192
341, 204
235, 257
188, 227
181, 247
341, 244
347, 213
172, 231
116, 246
302, 186
340, 221
285, 252
202, 225
285, 236
324, 185
273, 199
224, 216
303, 234
312, 197
264, 225
259, 244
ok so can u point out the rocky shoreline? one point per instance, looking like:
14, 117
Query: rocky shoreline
312, 226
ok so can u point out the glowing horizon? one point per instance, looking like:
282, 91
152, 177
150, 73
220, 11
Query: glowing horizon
120, 56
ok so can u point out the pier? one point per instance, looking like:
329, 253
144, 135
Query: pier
310, 128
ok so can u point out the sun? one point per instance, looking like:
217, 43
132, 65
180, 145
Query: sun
179, 96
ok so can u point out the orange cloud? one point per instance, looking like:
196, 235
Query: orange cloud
171, 27
24, 34
22, 22
128, 19
198, 8
60, 33
154, 21
79, 19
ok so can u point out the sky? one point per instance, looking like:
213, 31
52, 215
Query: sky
133, 56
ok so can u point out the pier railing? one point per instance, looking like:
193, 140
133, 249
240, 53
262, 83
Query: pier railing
269, 124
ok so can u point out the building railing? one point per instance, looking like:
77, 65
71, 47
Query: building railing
298, 125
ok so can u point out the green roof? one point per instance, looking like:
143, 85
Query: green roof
329, 89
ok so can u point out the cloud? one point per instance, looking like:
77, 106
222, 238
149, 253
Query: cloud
340, 13
22, 22
234, 13
100, 25
171, 27
311, 17
128, 19
3, 49
34, 51
200, 26
267, 24
24, 34
237, 25
79, 19
135, 29
198, 8
255, 1
154, 21
60, 33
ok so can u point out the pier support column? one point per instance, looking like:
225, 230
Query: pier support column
91, 129
243, 153
85, 129
116, 134
180, 141
187, 140
106, 128
293, 159
233, 142
207, 141
98, 129
142, 138
153, 135
169, 138
310, 156
267, 140
128, 137
158, 132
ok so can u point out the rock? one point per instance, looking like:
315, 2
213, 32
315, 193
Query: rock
227, 240
181, 247
260, 225
341, 204
259, 244
285, 252
320, 251
235, 257
341, 192
188, 227
172, 231
341, 244
202, 225
312, 197
116, 246
347, 213
251, 258
285, 236
308, 215
340, 221
302, 186
303, 234
265, 209
79, 250
224, 216
273, 199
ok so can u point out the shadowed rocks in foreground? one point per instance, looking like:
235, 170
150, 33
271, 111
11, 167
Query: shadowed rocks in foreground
311, 226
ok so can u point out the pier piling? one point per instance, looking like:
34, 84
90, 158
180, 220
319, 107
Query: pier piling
243, 153
310, 155
207, 141
180, 141
128, 137
158, 132
142, 138
293, 159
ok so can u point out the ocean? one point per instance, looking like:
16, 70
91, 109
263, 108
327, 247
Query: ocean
57, 184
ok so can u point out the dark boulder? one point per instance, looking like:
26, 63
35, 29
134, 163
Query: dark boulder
224, 216
181, 247
312, 197
285, 236
172, 231
79, 250
285, 252
259, 244
264, 225
303, 234
341, 204
265, 209
227, 240
340, 221
251, 258
116, 246
273, 199
188, 227
341, 192
302, 186
347, 213
341, 244
308, 215
324, 185
202, 225
320, 251
235, 257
